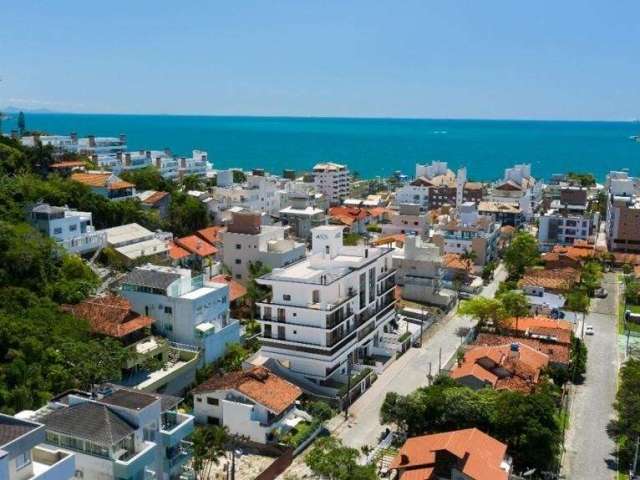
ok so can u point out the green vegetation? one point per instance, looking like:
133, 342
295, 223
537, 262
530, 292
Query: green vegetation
578, 359
515, 305
239, 176
330, 459
486, 311
404, 337
231, 361
320, 410
488, 269
208, 446
351, 239
521, 253
355, 379
374, 227
526, 423
626, 429
583, 179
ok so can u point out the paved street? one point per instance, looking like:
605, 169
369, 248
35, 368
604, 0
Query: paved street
589, 449
404, 376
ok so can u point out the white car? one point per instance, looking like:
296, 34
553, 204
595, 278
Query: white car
589, 330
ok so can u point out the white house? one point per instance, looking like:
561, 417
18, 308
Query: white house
72, 229
332, 180
408, 219
254, 403
330, 307
116, 433
23, 457
184, 309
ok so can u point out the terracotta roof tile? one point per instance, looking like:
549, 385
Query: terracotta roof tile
211, 234
557, 352
155, 198
553, 279
481, 454
176, 252
389, 239
453, 261
236, 289
259, 384
91, 179
67, 164
110, 315
196, 245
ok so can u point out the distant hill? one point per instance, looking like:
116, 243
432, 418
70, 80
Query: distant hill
11, 109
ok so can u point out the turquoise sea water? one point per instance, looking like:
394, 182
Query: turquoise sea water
371, 147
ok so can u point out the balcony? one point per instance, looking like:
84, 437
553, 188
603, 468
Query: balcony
175, 427
132, 464
177, 457
49, 464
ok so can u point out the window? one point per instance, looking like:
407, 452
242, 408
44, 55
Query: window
23, 459
286, 298
238, 276
238, 261
168, 310
212, 401
213, 420
57, 231
199, 399
73, 228
238, 246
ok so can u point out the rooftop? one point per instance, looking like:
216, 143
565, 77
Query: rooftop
259, 384
196, 245
129, 399
151, 278
236, 289
211, 234
110, 316
557, 353
123, 234
554, 279
12, 428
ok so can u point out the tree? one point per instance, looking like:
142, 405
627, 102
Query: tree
515, 304
192, 182
583, 179
484, 310
591, 275
320, 410
148, 178
626, 428
256, 292
330, 459
488, 269
187, 214
239, 176
469, 257
578, 365
578, 301
521, 253
22, 124
208, 446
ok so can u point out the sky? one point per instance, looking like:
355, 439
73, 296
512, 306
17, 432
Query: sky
497, 59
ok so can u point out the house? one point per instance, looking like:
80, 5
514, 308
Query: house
156, 201
331, 308
457, 455
203, 253
559, 353
419, 273
256, 403
67, 167
468, 231
116, 432
23, 455
436, 185
247, 241
554, 280
504, 213
333, 181
106, 185
133, 241
72, 229
185, 310
623, 213
237, 291
354, 219
518, 186
543, 328
302, 220
407, 220
513, 366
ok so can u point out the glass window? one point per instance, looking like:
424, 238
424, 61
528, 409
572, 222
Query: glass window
212, 401
286, 298
23, 459
168, 310
238, 261
57, 231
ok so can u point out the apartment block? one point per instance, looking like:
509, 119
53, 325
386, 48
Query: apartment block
333, 181
259, 193
329, 309
436, 185
89, 145
408, 219
623, 213
24, 457
116, 433
72, 229
187, 310
247, 241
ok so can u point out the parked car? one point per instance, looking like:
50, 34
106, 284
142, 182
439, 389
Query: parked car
600, 293
589, 330
466, 295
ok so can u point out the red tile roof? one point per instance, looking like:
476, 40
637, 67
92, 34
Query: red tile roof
453, 261
354, 213
259, 384
377, 211
557, 352
196, 245
155, 198
236, 289
176, 252
100, 180
480, 455
110, 316
211, 234
67, 164
555, 330
552, 279
389, 239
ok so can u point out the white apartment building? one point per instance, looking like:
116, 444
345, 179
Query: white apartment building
186, 309
420, 272
436, 169
90, 145
70, 228
407, 220
23, 457
328, 309
247, 241
517, 183
332, 180
257, 404
258, 194
116, 433
168, 165
415, 194
623, 212
467, 230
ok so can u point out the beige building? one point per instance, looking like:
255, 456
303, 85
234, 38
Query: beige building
623, 213
332, 180
246, 241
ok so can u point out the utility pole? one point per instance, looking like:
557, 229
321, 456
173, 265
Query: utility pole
348, 399
635, 456
429, 376
439, 360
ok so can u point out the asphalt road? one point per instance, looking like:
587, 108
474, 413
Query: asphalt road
589, 450
404, 376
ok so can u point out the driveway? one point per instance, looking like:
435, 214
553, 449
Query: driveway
589, 450
404, 376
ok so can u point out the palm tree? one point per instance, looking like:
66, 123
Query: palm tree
208, 447
469, 257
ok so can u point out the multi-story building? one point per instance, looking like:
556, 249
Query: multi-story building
116, 433
435, 186
90, 145
329, 309
623, 212
420, 272
186, 310
408, 219
259, 193
247, 241
467, 230
133, 241
23, 457
517, 183
70, 228
567, 220
333, 181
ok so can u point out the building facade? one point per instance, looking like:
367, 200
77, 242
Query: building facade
623, 213
333, 181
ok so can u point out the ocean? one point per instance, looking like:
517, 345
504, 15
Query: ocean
371, 147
